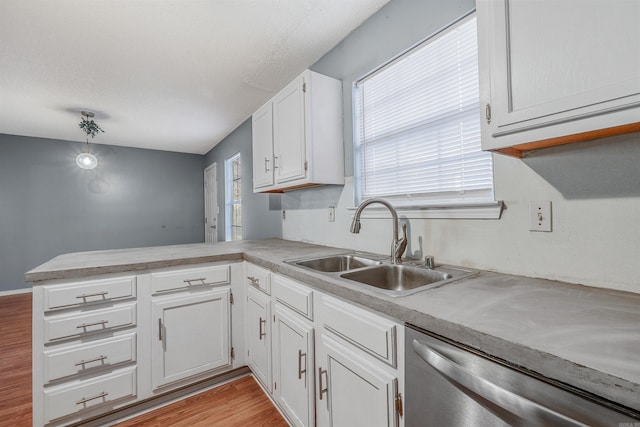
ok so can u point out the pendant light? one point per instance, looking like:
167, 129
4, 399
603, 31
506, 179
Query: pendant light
86, 160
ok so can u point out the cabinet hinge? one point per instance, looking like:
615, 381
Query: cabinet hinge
233, 353
399, 409
306, 165
487, 113
231, 297
304, 86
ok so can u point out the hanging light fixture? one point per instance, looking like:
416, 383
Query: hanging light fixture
86, 160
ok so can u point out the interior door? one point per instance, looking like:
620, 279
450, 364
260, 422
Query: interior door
210, 205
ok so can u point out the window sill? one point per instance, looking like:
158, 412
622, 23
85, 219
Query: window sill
490, 210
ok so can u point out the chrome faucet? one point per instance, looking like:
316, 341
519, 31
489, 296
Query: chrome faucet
398, 246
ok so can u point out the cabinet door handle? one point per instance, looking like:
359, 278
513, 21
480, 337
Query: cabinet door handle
86, 325
160, 329
320, 388
487, 113
300, 370
262, 334
266, 165
89, 399
199, 279
97, 294
97, 359
254, 281
275, 165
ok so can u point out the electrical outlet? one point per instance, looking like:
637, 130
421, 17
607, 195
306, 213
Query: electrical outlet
540, 216
332, 214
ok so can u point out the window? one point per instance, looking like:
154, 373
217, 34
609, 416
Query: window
233, 197
417, 125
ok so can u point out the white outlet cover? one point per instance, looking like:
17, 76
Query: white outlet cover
540, 216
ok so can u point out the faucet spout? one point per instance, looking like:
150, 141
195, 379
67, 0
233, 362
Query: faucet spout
397, 245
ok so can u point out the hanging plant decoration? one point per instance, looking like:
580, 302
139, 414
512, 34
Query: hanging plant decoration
90, 127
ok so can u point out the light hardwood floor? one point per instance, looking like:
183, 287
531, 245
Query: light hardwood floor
239, 403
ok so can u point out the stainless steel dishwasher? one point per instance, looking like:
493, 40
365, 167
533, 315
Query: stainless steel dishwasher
448, 385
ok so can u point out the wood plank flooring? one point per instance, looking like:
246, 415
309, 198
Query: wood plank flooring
15, 360
239, 403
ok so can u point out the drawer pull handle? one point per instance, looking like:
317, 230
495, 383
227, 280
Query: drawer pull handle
86, 325
254, 281
300, 370
97, 359
200, 279
262, 334
97, 294
159, 329
320, 388
89, 399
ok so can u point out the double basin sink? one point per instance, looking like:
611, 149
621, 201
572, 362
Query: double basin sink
392, 279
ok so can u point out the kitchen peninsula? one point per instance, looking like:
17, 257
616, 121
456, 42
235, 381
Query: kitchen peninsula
581, 336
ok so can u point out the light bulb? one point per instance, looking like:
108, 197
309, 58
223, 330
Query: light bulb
86, 161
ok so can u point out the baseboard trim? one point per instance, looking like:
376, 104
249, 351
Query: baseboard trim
15, 292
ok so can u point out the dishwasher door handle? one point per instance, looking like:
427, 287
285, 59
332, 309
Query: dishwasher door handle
505, 399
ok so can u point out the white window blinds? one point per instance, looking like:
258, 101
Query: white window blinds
417, 125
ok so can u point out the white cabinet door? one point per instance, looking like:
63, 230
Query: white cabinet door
190, 335
351, 390
289, 132
262, 145
551, 68
293, 367
258, 327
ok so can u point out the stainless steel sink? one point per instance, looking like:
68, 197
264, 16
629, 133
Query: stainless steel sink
391, 279
337, 263
405, 279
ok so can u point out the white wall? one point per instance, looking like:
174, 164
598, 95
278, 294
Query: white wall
594, 187
595, 241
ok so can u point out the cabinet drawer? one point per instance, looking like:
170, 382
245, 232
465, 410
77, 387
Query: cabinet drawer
190, 277
259, 278
368, 331
88, 292
89, 394
69, 326
90, 357
294, 295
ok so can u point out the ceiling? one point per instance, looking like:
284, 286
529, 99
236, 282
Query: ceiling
176, 75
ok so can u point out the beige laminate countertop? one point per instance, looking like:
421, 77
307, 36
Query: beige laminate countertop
583, 336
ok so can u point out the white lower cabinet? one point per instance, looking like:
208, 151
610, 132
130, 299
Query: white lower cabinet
258, 335
191, 335
106, 342
293, 367
334, 363
353, 391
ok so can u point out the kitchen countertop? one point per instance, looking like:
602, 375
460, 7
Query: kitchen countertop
583, 336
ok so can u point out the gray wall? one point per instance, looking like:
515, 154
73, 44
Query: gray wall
48, 206
260, 212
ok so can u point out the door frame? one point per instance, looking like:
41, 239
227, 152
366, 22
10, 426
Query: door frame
211, 209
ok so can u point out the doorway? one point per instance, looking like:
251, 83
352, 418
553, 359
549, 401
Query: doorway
210, 205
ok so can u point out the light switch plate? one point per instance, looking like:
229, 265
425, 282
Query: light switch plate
540, 216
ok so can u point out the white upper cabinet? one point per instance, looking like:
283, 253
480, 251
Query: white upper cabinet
297, 136
262, 130
557, 71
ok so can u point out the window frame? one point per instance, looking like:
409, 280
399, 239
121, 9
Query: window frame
426, 205
230, 202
